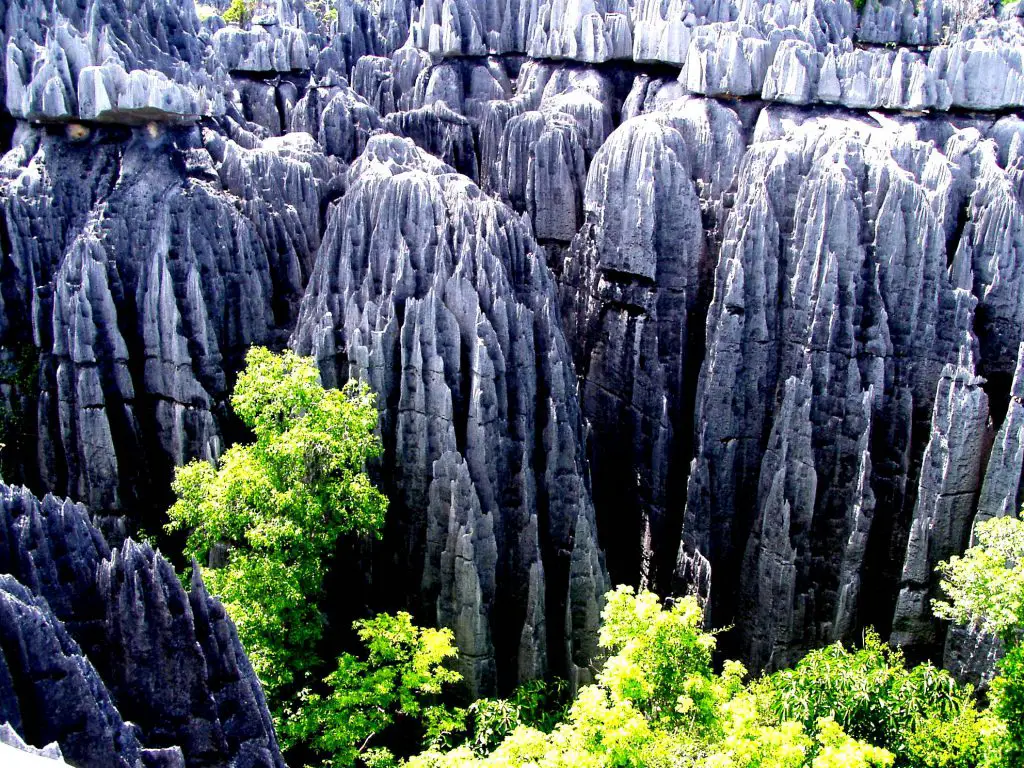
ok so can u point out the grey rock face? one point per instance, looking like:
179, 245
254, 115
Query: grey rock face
638, 279
143, 285
441, 132
899, 21
1001, 490
592, 31
950, 474
337, 118
803, 52
262, 49
107, 61
61, 697
546, 147
633, 302
125, 637
437, 296
762, 302
797, 295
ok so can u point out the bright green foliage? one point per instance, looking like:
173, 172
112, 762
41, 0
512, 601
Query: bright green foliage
660, 659
489, 722
277, 506
957, 742
239, 12
323, 11
1008, 703
986, 585
754, 738
985, 588
399, 681
840, 751
542, 704
873, 696
658, 704
536, 703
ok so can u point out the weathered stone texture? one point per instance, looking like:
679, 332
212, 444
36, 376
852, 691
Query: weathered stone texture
437, 296
91, 633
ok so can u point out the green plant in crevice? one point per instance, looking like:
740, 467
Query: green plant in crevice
239, 12
277, 507
985, 587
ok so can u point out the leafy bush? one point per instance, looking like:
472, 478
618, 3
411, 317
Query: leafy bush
985, 587
874, 697
536, 704
239, 12
657, 702
276, 508
399, 682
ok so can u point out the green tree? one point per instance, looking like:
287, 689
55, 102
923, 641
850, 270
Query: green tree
276, 507
538, 704
239, 12
658, 703
399, 683
660, 658
872, 695
985, 588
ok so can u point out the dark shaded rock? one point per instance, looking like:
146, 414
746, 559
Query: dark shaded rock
140, 280
441, 132
141, 645
437, 296
632, 298
797, 295
337, 118
60, 696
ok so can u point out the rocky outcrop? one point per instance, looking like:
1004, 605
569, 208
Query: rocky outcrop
337, 118
946, 496
855, 300
138, 280
437, 296
634, 304
726, 258
87, 634
107, 61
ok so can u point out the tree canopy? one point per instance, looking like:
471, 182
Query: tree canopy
274, 509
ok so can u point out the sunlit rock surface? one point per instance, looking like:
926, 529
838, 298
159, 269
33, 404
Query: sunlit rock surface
710, 296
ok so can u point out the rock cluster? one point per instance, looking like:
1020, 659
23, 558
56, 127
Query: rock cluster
119, 61
89, 634
146, 264
728, 290
439, 298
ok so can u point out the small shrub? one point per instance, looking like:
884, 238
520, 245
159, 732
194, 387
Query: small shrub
239, 12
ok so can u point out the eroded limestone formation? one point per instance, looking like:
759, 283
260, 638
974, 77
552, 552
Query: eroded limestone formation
730, 291
439, 298
94, 635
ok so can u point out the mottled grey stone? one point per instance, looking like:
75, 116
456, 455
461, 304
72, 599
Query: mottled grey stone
419, 266
129, 639
107, 60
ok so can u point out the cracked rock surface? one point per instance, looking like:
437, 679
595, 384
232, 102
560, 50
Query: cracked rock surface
710, 296
88, 633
